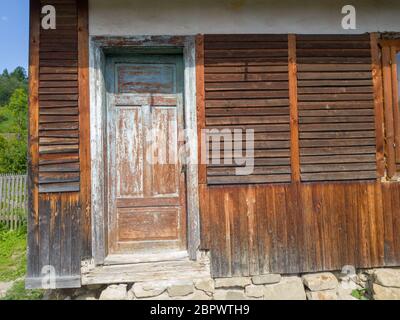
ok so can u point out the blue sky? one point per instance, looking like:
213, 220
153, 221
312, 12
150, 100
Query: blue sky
14, 34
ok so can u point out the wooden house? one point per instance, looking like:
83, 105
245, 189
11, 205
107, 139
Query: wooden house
322, 101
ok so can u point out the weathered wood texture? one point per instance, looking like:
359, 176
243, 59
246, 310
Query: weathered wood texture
146, 177
336, 108
390, 66
13, 200
301, 227
59, 242
58, 102
58, 116
335, 93
84, 127
247, 87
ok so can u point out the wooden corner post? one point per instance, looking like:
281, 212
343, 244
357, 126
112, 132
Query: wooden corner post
378, 105
200, 102
294, 115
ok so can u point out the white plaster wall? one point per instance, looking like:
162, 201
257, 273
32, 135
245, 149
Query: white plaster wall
186, 17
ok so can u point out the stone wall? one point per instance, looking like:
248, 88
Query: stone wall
378, 284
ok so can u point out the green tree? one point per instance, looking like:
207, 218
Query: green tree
14, 113
13, 155
11, 81
17, 111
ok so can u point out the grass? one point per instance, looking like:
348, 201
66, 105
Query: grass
12, 254
360, 294
18, 292
13, 264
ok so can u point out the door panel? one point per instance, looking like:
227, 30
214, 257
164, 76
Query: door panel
165, 171
139, 224
129, 148
146, 180
146, 78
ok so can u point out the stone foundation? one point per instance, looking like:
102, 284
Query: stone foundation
378, 284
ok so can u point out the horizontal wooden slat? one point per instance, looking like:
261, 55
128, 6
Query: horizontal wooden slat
245, 69
225, 171
316, 151
219, 77
212, 112
52, 159
259, 85
258, 179
334, 176
270, 94
337, 167
57, 177
337, 159
59, 187
244, 38
246, 120
337, 142
58, 148
337, 135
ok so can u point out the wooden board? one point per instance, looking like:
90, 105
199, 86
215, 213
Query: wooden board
58, 231
146, 176
60, 94
247, 87
336, 99
294, 228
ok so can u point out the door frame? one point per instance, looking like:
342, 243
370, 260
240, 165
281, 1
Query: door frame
99, 46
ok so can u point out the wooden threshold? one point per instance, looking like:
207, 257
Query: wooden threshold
178, 270
118, 259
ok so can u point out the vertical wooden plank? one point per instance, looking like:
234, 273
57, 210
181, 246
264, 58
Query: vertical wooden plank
363, 226
264, 247
281, 228
236, 236
45, 207
204, 216
388, 224
378, 105
66, 235
272, 216
243, 230
55, 235
351, 223
295, 236
317, 221
341, 210
395, 99
395, 195
373, 236
201, 109
84, 126
33, 150
294, 116
388, 103
228, 216
73, 204
252, 222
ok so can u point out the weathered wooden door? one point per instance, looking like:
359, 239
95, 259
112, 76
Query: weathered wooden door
146, 176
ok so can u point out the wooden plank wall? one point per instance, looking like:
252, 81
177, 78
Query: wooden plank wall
247, 87
336, 108
346, 216
59, 215
301, 227
58, 102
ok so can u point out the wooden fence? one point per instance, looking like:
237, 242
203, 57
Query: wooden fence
13, 200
